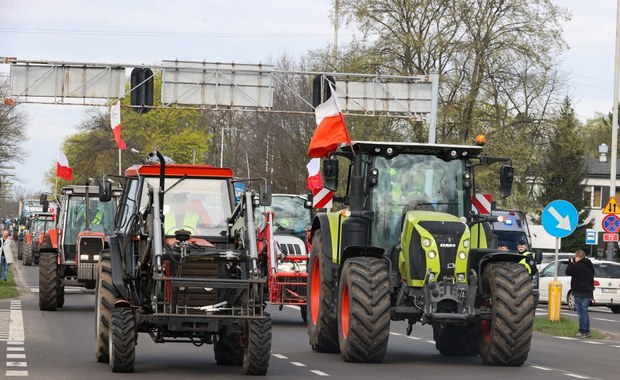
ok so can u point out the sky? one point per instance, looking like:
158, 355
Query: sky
241, 31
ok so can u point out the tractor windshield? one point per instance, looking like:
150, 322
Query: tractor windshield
42, 224
201, 206
101, 215
413, 182
291, 217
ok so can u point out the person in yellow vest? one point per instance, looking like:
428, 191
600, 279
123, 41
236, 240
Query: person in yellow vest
528, 261
180, 217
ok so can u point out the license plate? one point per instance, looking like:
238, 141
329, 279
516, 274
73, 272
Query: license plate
608, 291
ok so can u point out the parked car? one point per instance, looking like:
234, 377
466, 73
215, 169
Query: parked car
550, 257
606, 284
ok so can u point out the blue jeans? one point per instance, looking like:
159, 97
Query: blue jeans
4, 268
581, 304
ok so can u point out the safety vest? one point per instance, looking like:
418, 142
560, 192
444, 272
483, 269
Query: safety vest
98, 219
528, 256
190, 221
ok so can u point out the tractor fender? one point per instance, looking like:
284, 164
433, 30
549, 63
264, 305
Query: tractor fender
49, 241
321, 222
116, 259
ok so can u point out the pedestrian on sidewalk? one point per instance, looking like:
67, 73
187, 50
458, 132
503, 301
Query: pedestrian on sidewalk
6, 257
581, 270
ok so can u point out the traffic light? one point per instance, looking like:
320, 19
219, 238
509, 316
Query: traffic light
141, 89
320, 88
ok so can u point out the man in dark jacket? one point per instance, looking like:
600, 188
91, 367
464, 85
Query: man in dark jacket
581, 271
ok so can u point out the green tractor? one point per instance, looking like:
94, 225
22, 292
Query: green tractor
409, 247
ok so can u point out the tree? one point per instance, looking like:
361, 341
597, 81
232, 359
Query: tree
563, 171
12, 128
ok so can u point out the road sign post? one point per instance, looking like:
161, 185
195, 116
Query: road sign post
559, 219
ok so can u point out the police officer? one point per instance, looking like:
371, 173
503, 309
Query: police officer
528, 261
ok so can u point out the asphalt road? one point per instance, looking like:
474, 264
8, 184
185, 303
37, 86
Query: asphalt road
59, 345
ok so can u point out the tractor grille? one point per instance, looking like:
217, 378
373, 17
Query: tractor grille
87, 271
290, 249
447, 235
187, 298
90, 245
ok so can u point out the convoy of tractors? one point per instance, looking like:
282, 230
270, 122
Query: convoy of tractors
175, 252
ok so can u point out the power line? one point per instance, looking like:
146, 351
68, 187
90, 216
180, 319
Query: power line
161, 34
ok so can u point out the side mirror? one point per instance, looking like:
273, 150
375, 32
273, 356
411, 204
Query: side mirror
105, 191
506, 176
330, 174
265, 195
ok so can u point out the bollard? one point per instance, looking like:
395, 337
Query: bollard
555, 300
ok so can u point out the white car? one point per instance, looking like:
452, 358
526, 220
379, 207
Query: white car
606, 284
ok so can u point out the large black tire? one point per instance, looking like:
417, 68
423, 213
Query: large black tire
364, 310
49, 281
323, 321
60, 298
122, 340
455, 340
615, 309
20, 250
27, 255
506, 338
104, 303
228, 349
257, 350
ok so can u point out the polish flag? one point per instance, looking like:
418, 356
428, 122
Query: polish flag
62, 167
331, 129
115, 123
314, 176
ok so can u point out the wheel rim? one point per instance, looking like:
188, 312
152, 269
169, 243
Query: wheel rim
315, 291
344, 311
571, 301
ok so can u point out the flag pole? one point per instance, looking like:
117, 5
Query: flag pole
119, 162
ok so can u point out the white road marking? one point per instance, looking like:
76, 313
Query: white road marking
616, 346
280, 356
542, 368
298, 364
16, 356
16, 331
317, 372
577, 376
606, 320
396, 334
16, 364
16, 373
414, 337
15, 348
591, 342
430, 341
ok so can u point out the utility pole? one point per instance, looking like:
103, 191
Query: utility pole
614, 124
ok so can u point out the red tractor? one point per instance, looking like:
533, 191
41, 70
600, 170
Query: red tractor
38, 225
283, 250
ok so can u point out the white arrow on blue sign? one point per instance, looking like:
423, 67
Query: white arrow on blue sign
560, 218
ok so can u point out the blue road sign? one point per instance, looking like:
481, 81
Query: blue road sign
591, 237
611, 223
560, 218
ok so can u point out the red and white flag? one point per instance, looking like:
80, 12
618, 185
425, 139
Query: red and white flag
331, 129
314, 176
62, 167
115, 123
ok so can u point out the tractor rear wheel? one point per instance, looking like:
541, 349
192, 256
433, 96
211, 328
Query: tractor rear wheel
228, 349
257, 348
323, 322
20, 250
104, 302
506, 338
27, 255
453, 340
364, 310
49, 281
122, 340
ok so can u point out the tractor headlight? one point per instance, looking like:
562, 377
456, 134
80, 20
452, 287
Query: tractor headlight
426, 242
431, 276
462, 255
466, 243
432, 254
460, 277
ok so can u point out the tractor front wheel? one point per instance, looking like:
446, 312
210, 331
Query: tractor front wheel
27, 255
104, 302
506, 338
323, 322
122, 340
364, 305
257, 348
49, 281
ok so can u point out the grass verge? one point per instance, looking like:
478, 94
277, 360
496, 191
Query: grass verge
8, 288
564, 327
